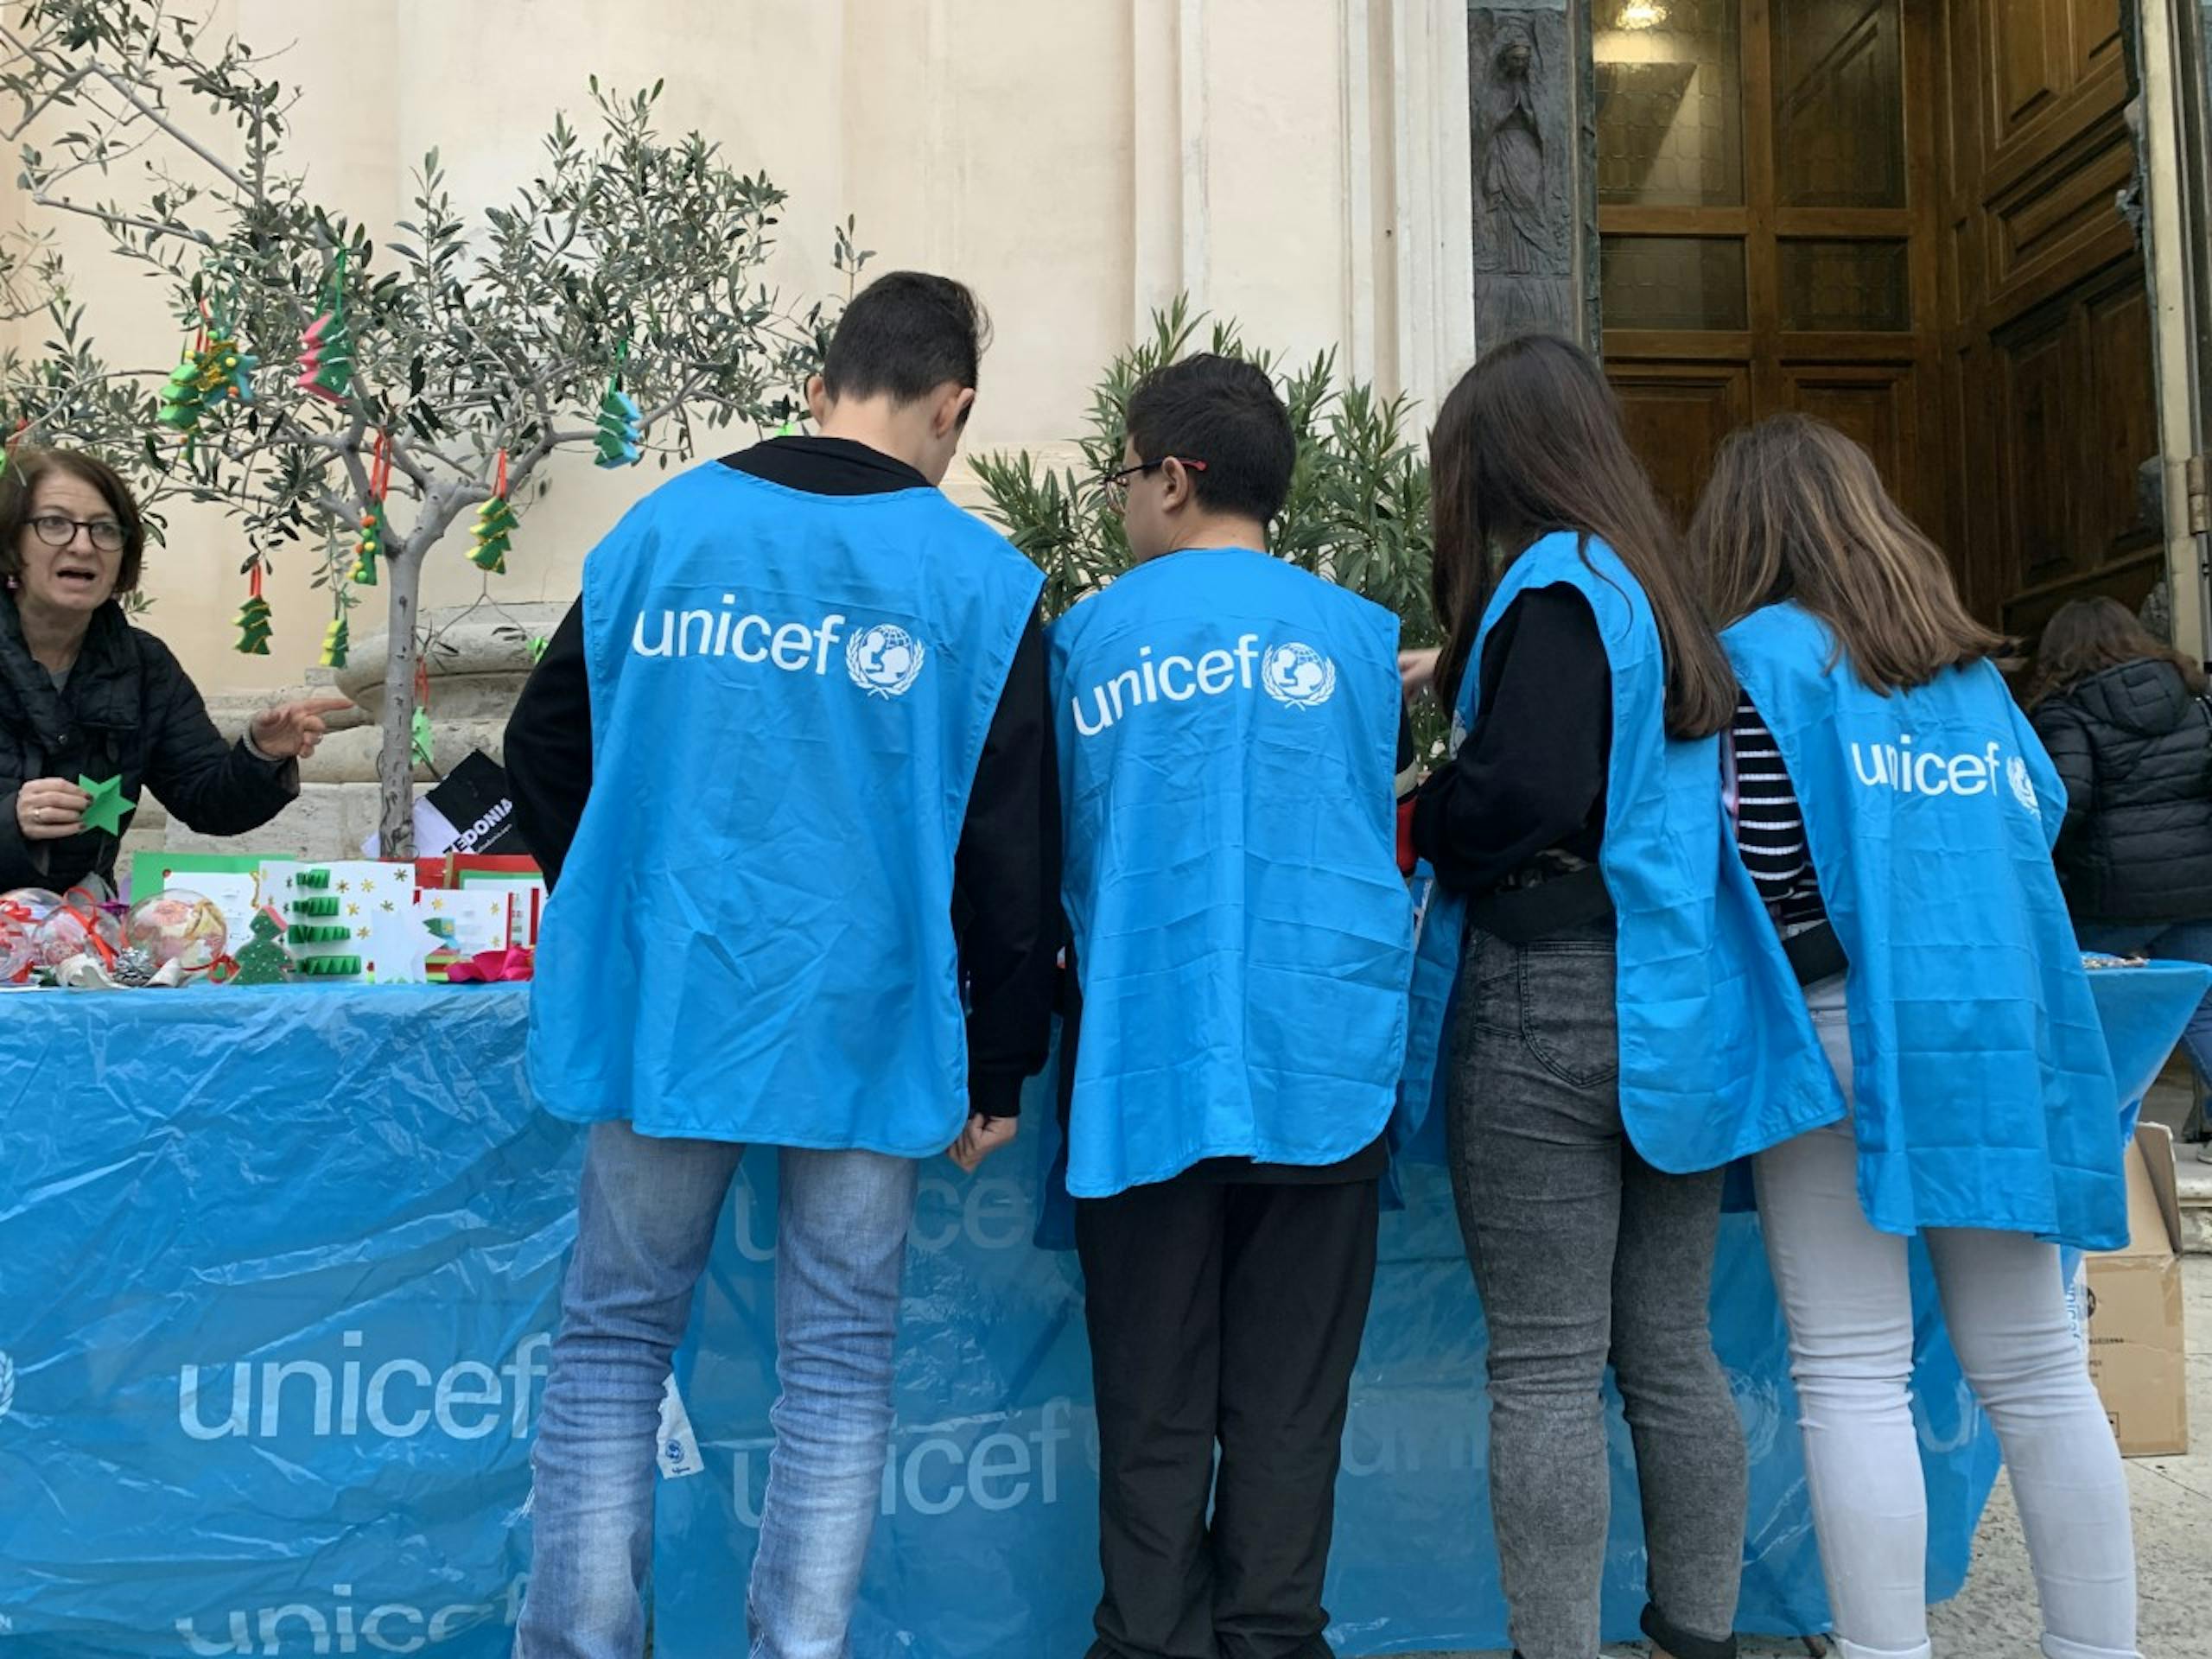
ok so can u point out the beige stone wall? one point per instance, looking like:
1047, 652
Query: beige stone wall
1300, 165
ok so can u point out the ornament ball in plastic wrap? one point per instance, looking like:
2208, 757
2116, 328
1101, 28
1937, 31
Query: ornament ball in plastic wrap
178, 926
28, 906
76, 928
21, 913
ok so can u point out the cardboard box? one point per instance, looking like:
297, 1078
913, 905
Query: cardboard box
2136, 1349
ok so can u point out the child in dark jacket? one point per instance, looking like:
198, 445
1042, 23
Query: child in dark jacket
2126, 722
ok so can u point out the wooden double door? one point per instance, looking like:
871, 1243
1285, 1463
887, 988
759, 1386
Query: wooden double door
1898, 216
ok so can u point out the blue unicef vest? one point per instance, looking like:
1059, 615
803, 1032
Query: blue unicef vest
1983, 1095
1699, 971
751, 938
1228, 730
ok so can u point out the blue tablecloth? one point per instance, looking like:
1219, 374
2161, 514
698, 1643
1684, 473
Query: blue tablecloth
279, 1268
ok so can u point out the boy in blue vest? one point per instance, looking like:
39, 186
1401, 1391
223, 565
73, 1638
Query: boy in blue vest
788, 766
1230, 730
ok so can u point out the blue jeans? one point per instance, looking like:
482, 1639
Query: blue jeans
2173, 942
645, 1222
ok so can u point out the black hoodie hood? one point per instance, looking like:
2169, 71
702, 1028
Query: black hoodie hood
2146, 697
2134, 750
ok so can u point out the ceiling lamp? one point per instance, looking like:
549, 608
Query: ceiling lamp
1642, 14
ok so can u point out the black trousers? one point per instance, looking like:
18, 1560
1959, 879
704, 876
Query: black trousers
1229, 1313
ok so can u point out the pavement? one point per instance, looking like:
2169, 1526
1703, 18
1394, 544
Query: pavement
1995, 1615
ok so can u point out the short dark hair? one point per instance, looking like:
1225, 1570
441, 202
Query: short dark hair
1226, 413
19, 485
907, 333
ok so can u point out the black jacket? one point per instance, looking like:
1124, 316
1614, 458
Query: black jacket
2134, 750
128, 708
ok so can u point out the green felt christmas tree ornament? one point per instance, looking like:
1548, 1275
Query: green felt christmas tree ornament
327, 348
253, 619
337, 640
371, 547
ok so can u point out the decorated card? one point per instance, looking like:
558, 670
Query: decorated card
355, 919
467, 920
518, 879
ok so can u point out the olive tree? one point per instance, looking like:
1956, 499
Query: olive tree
335, 388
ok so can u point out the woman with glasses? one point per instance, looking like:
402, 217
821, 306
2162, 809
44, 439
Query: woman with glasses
86, 696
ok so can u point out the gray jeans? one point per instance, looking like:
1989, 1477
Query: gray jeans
1583, 1253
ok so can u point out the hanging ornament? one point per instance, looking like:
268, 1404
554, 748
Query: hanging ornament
372, 544
336, 637
253, 621
215, 367
180, 397
620, 427
495, 525
7, 450
327, 348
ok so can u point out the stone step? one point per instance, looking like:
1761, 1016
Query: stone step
2193, 1186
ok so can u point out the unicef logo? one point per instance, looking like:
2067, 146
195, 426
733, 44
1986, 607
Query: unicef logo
2023, 787
1298, 675
6, 1385
885, 660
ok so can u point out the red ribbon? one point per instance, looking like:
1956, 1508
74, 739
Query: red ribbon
492, 967
85, 910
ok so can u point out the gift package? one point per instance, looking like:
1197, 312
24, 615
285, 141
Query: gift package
259, 919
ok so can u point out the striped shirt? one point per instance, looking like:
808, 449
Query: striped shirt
1769, 829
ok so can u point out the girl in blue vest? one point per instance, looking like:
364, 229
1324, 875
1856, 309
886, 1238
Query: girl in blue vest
1898, 813
1609, 975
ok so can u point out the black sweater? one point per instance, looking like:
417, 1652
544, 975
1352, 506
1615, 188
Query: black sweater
1006, 886
1530, 778
2134, 750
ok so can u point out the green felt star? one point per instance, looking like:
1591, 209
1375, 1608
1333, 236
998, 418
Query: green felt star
108, 807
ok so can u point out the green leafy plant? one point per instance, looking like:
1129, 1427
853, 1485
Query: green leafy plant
625, 277
1358, 507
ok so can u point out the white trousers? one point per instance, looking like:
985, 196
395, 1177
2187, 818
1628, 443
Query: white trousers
1845, 1290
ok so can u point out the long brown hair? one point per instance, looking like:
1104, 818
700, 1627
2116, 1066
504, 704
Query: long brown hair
1529, 442
1797, 510
19, 485
2087, 636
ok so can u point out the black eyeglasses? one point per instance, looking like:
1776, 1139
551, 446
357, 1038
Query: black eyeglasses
57, 530
1116, 485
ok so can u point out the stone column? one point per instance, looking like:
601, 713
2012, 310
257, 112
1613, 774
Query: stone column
1532, 117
